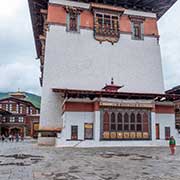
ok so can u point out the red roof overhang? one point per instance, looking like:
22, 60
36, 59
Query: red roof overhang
175, 90
75, 93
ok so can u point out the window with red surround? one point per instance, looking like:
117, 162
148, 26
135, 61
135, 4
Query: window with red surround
72, 22
73, 19
137, 27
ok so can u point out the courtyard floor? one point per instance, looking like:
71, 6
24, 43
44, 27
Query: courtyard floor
27, 161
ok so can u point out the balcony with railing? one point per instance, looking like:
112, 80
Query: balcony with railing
11, 119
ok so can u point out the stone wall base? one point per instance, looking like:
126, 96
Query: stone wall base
46, 141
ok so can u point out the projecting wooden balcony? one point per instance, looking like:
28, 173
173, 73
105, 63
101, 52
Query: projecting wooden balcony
107, 32
104, 34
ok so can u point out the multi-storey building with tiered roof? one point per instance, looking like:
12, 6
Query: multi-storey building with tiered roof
19, 114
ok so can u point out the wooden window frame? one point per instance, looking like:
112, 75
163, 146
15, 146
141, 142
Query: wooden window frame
113, 122
126, 132
131, 122
70, 17
112, 19
119, 123
7, 107
137, 23
139, 123
165, 129
126, 124
106, 29
145, 122
74, 139
157, 132
106, 121
85, 131
21, 119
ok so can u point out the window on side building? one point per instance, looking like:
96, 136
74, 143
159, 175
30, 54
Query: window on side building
17, 108
31, 111
21, 109
10, 107
27, 110
7, 107
21, 119
12, 119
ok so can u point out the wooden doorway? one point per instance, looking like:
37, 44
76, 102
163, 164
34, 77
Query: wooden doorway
167, 133
74, 132
157, 131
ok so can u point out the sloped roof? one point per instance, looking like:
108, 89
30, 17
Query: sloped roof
32, 98
79, 93
174, 90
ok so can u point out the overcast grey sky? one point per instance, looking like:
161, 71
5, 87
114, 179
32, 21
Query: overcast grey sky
18, 66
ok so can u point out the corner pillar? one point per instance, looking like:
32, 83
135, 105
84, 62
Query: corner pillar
153, 126
97, 126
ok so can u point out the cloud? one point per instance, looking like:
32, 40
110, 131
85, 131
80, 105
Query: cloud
17, 58
16, 37
19, 75
9, 8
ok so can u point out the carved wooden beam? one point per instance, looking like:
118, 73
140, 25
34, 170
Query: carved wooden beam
43, 11
74, 10
136, 18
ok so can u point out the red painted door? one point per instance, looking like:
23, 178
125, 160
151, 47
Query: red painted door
74, 132
167, 133
157, 131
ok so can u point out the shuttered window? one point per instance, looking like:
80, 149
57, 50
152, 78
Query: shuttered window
137, 30
73, 22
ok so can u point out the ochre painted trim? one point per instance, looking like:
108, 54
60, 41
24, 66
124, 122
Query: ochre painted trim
57, 23
107, 7
49, 129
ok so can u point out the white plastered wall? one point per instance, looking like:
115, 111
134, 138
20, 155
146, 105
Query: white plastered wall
76, 119
77, 60
50, 109
166, 120
153, 127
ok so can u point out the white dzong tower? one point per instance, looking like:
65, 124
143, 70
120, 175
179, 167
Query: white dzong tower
81, 45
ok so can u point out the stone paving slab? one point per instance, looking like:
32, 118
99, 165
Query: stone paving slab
27, 161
